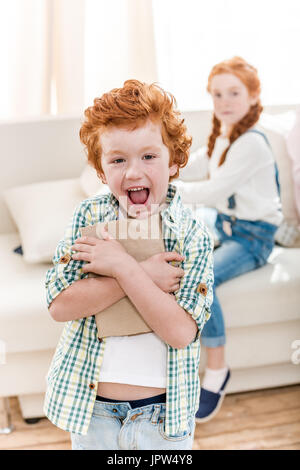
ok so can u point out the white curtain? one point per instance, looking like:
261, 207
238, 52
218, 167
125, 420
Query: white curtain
192, 35
25, 58
57, 55
119, 44
68, 56
41, 49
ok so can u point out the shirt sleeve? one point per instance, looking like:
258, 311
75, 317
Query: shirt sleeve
246, 156
197, 166
65, 270
195, 294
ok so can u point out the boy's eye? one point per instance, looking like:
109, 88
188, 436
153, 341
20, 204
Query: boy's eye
149, 156
118, 160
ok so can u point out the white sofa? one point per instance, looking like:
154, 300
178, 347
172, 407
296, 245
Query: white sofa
262, 308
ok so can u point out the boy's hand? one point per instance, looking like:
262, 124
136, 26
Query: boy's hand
102, 256
165, 276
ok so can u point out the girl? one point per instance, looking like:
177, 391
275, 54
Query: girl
235, 174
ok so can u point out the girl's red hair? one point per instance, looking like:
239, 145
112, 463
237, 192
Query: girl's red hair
248, 75
129, 107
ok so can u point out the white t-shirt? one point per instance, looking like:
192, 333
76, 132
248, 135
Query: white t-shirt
248, 172
135, 360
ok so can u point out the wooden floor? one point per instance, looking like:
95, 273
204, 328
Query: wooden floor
266, 419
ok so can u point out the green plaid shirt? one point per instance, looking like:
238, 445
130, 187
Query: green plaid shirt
74, 371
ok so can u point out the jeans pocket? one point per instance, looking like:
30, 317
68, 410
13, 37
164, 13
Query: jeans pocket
187, 434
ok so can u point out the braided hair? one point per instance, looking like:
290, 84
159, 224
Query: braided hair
248, 75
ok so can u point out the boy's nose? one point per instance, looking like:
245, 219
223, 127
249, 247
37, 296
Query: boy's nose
133, 171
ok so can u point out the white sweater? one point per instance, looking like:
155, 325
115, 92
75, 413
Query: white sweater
248, 172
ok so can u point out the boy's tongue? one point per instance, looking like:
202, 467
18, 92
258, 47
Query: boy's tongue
138, 197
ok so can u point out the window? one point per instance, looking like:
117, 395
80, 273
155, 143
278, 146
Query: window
191, 36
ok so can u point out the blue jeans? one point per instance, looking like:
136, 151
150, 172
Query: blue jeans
246, 249
118, 426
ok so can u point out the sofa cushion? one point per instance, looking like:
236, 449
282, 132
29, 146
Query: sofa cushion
269, 294
41, 212
25, 323
277, 127
293, 146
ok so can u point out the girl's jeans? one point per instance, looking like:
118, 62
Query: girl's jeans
246, 249
117, 426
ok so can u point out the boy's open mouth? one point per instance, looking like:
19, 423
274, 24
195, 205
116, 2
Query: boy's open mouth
138, 195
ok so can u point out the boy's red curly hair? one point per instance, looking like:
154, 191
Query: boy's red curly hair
249, 76
129, 107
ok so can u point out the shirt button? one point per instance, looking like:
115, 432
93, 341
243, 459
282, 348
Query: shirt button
92, 386
115, 410
65, 259
202, 289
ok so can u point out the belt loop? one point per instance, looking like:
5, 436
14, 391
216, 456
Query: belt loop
155, 415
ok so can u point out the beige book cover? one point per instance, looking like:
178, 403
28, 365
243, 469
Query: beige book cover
141, 238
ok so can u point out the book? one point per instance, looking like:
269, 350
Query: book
141, 238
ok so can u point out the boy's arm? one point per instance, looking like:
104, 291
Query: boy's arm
177, 320
71, 295
66, 275
159, 309
85, 297
105, 291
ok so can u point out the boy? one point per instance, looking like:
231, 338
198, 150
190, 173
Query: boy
141, 391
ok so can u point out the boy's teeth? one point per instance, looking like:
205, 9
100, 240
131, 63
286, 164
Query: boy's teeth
135, 189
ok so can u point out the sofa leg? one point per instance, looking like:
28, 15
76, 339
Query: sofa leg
6, 426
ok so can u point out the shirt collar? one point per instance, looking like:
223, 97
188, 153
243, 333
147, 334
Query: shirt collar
173, 209
112, 208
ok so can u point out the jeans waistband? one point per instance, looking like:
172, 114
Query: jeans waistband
250, 223
136, 403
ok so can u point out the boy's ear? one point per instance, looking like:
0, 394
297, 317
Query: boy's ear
173, 169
